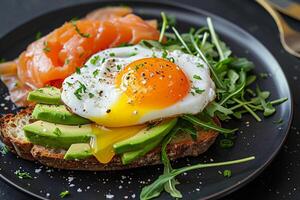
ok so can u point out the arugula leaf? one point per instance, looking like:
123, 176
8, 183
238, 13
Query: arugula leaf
214, 106
215, 39
169, 186
216, 78
268, 108
154, 189
164, 26
196, 121
181, 40
242, 63
236, 92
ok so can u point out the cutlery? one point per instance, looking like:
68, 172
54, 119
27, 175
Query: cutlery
290, 39
287, 7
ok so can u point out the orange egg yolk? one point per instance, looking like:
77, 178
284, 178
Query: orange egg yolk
153, 83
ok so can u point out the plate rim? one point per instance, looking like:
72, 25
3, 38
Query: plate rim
200, 11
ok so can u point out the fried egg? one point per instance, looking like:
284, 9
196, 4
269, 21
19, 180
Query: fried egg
133, 85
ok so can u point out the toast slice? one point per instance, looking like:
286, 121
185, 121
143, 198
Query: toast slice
12, 135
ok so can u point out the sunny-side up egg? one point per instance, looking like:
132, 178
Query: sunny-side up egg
133, 85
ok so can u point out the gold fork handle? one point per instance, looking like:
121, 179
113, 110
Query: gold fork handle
281, 24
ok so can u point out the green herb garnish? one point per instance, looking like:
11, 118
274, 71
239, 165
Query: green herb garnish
279, 121
226, 143
46, 48
163, 27
38, 35
85, 35
95, 60
91, 95
95, 73
23, 175
78, 70
4, 150
197, 77
80, 90
154, 189
64, 194
227, 173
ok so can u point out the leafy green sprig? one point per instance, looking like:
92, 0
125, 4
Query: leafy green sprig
235, 97
232, 75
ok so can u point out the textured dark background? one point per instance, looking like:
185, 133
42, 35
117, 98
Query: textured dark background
281, 180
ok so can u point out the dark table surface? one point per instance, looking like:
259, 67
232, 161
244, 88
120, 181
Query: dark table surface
281, 180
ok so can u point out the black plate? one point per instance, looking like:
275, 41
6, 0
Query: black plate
260, 139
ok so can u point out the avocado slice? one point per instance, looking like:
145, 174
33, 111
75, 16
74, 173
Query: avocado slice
144, 137
46, 95
57, 136
57, 114
78, 151
130, 156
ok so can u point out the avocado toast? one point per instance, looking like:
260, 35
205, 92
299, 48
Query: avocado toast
13, 136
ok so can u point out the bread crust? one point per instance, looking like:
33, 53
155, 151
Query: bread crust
183, 145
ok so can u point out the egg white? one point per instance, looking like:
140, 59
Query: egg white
101, 93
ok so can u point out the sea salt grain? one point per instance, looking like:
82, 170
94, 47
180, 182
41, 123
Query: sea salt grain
109, 196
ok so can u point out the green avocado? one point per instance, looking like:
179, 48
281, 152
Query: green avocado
57, 114
144, 137
78, 151
57, 136
46, 95
130, 156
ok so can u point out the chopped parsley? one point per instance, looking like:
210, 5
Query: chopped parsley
78, 70
57, 131
23, 175
4, 150
164, 54
119, 67
95, 60
197, 90
279, 121
227, 173
64, 194
112, 54
67, 61
263, 75
46, 48
69, 84
85, 35
80, 90
91, 95
38, 35
197, 77
200, 65
95, 73
226, 143
132, 54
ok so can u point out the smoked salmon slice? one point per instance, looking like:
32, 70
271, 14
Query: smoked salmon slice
49, 60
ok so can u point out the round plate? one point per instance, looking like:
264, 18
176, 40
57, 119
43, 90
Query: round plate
262, 140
